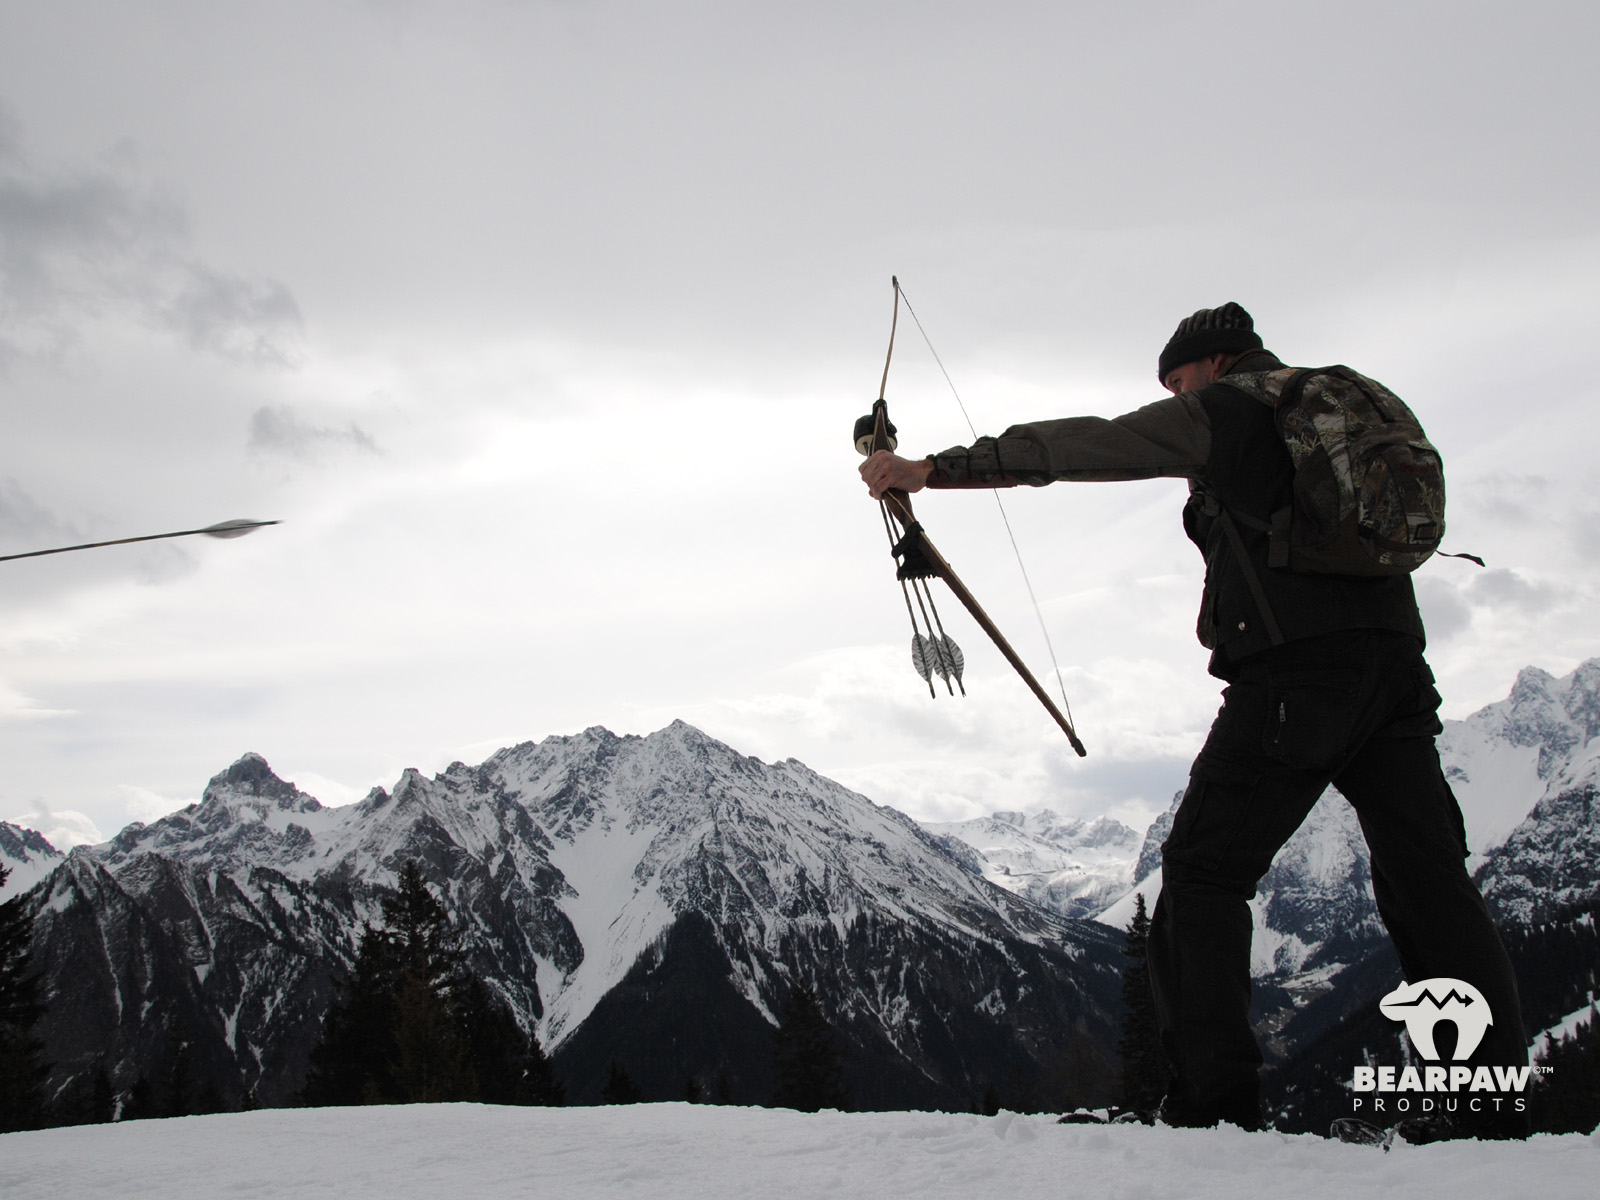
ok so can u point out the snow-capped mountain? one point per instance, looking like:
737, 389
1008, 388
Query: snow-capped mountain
26, 856
1508, 756
1073, 867
1550, 862
1524, 770
630, 897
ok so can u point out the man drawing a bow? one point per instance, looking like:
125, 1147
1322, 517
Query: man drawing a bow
1325, 683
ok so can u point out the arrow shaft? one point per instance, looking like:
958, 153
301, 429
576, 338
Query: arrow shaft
149, 537
902, 503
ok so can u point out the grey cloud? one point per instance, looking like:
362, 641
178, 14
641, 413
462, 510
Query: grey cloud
82, 244
1510, 499
1098, 784
238, 318
1500, 588
1585, 531
277, 429
162, 563
1447, 609
24, 520
1444, 612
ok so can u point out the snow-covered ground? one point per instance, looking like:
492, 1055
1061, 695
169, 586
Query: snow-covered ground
668, 1151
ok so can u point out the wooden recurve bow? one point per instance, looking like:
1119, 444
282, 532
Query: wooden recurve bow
917, 556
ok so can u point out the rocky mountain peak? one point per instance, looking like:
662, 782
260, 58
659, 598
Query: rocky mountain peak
1556, 715
27, 857
250, 777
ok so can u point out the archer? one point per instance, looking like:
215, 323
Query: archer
1312, 623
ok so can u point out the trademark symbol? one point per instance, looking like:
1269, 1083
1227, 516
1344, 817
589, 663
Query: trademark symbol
1543, 1070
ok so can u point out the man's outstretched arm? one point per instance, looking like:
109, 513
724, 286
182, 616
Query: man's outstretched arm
1168, 439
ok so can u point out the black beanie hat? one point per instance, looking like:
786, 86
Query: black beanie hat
1210, 331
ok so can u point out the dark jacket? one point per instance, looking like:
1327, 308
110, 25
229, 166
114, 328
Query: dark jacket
1226, 444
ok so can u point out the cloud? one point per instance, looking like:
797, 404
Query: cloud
79, 245
163, 563
277, 429
144, 805
236, 318
63, 828
1444, 612
1515, 500
1501, 588
24, 520
14, 706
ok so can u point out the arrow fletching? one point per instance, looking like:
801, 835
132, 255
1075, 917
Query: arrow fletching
954, 662
233, 529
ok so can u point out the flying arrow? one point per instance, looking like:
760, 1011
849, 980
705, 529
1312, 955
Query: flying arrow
222, 529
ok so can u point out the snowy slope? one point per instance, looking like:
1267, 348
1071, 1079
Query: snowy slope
1504, 758
1551, 861
26, 856
1070, 866
680, 1151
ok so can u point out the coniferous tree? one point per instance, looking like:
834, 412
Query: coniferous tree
102, 1099
509, 1066
177, 1073
806, 1057
1144, 1063
989, 1106
430, 1062
351, 1062
140, 1103
414, 1025
693, 1093
620, 1087
22, 1068
1566, 1098
539, 1083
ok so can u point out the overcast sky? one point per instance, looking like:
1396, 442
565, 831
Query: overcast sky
543, 326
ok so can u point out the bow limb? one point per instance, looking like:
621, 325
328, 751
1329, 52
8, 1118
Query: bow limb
900, 504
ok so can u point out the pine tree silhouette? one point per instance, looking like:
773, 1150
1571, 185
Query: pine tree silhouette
22, 1068
990, 1104
350, 1064
177, 1073
1144, 1062
140, 1103
102, 1099
806, 1057
1566, 1099
620, 1087
415, 1025
539, 1083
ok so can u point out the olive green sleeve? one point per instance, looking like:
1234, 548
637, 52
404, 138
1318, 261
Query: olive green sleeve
1170, 438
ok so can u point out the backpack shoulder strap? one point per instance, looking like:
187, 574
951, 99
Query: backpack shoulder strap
1251, 578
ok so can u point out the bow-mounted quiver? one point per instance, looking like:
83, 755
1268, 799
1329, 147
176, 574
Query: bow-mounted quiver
917, 560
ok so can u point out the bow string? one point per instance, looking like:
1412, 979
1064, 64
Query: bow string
933, 651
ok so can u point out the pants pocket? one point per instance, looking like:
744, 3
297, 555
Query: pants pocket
1309, 718
1215, 808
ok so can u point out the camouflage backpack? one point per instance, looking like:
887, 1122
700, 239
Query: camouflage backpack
1368, 494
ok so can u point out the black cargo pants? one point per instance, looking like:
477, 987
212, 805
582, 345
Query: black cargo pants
1358, 710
